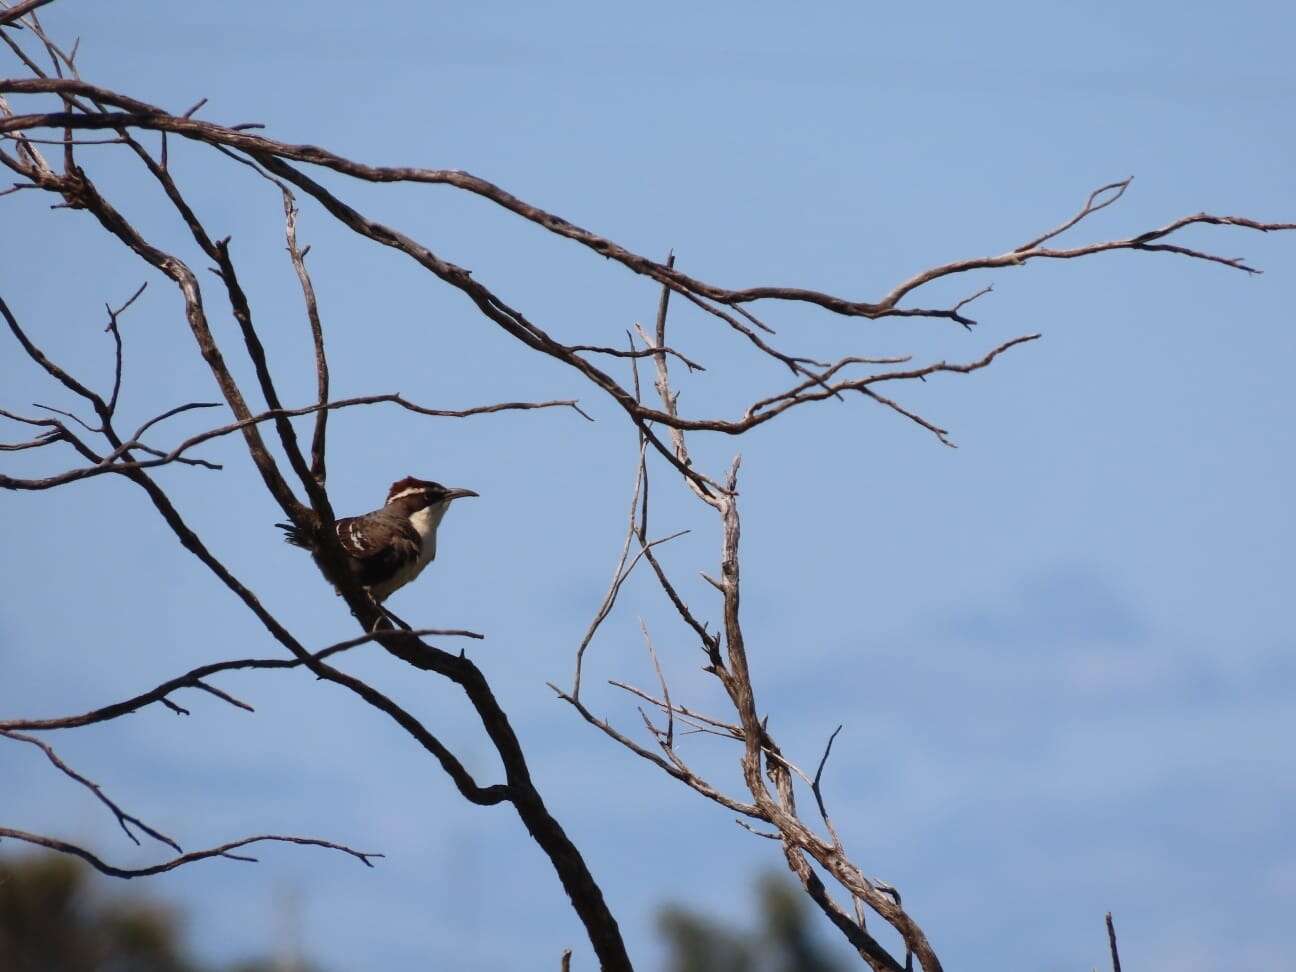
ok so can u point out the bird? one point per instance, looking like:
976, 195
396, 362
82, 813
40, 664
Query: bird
388, 548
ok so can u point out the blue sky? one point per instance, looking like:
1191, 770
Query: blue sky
1062, 653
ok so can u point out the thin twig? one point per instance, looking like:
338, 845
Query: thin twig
124, 819
661, 679
191, 679
224, 850
113, 329
298, 257
619, 575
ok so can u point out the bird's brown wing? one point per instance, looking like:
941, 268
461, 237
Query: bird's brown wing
378, 545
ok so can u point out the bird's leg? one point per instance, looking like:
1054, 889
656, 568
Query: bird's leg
393, 618
383, 615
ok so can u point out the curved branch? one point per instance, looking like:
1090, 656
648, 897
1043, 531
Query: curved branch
124, 819
389, 398
50, 368
224, 850
194, 677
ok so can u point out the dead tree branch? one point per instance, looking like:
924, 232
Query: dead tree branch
10, 15
124, 819
195, 679
224, 850
1111, 941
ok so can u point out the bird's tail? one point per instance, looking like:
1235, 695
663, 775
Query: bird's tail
294, 536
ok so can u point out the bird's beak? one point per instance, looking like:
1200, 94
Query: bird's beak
452, 494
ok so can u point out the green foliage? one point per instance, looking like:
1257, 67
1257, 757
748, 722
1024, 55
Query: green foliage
700, 945
55, 918
785, 940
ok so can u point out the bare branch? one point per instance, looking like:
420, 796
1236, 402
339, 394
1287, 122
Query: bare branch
193, 678
669, 742
610, 599
779, 806
10, 15
817, 790
18, 187
632, 353
298, 258
683, 774
47, 438
50, 368
1111, 941
1109, 194
802, 393
729, 729
112, 329
63, 141
224, 850
124, 819
529, 333
619, 575
869, 949
757, 833
110, 463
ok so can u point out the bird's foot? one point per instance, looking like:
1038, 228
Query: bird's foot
392, 617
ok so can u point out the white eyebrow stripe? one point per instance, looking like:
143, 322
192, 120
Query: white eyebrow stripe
411, 491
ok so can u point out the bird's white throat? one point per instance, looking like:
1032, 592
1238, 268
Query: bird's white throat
425, 522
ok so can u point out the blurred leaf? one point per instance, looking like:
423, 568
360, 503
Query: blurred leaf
788, 938
55, 917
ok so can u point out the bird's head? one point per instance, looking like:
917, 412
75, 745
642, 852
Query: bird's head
412, 495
